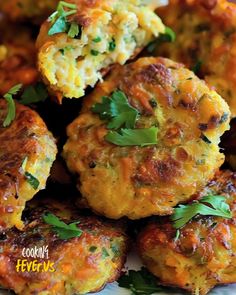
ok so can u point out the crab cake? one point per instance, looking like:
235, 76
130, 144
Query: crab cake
27, 151
78, 265
17, 57
204, 255
205, 41
22, 10
96, 35
142, 180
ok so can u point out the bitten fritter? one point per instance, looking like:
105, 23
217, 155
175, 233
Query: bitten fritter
78, 265
17, 56
24, 10
27, 151
205, 41
138, 181
110, 32
204, 254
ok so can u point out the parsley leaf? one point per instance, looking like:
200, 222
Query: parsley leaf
11, 108
33, 181
133, 137
208, 205
60, 23
140, 282
117, 110
34, 94
63, 230
197, 67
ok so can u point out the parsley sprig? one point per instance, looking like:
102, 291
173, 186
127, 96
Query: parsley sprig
129, 137
117, 110
63, 230
168, 36
208, 205
118, 113
141, 282
11, 107
59, 21
34, 93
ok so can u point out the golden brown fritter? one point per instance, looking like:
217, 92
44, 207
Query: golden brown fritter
205, 40
82, 264
17, 56
27, 151
204, 255
137, 181
111, 31
33, 10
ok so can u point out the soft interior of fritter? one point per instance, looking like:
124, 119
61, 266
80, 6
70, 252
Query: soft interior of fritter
72, 64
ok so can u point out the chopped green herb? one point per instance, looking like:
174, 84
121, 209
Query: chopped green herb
177, 235
94, 52
60, 23
11, 108
117, 110
33, 181
133, 137
206, 139
112, 45
93, 249
97, 39
105, 254
34, 94
140, 282
74, 30
153, 103
209, 205
65, 49
197, 67
63, 230
168, 36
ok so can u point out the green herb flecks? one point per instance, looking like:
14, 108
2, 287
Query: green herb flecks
117, 110
11, 108
197, 67
59, 21
112, 45
64, 231
34, 94
133, 137
209, 205
32, 180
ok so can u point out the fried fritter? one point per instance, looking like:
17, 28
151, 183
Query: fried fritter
204, 255
205, 41
137, 181
17, 56
110, 32
27, 151
82, 264
22, 10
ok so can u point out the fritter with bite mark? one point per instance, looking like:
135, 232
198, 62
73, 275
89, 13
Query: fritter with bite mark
27, 152
78, 265
138, 181
204, 254
109, 32
205, 41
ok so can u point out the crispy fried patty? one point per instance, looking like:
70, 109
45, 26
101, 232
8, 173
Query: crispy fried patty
83, 264
110, 32
140, 181
27, 151
22, 10
17, 56
204, 255
205, 41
